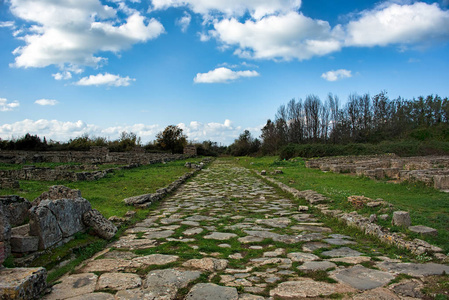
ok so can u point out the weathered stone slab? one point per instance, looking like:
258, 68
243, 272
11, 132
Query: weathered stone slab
363, 278
22, 244
22, 283
339, 242
220, 236
94, 296
341, 252
159, 234
207, 264
73, 285
118, 281
210, 291
413, 269
424, 230
376, 294
44, 224
277, 223
155, 293
316, 266
170, 278
193, 231
102, 226
351, 259
306, 288
312, 246
302, 257
15, 209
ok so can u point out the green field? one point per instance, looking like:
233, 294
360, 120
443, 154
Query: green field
426, 205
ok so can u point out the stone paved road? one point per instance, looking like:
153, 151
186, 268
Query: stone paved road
227, 235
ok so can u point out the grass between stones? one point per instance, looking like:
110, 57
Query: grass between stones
427, 206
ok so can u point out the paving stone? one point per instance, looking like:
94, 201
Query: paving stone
302, 257
316, 266
351, 259
210, 291
220, 236
363, 278
159, 234
250, 239
193, 231
341, 252
73, 285
339, 242
170, 278
155, 293
376, 294
306, 288
277, 223
413, 269
22, 283
118, 281
207, 264
312, 246
94, 296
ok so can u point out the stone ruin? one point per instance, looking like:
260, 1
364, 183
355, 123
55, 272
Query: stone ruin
430, 170
50, 220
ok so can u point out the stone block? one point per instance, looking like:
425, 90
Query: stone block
441, 182
21, 230
69, 214
57, 192
22, 283
102, 226
5, 230
401, 218
22, 244
44, 224
16, 209
424, 230
2, 253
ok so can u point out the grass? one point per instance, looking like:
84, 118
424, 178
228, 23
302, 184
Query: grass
107, 194
426, 205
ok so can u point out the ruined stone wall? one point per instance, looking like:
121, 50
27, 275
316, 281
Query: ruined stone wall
430, 170
94, 156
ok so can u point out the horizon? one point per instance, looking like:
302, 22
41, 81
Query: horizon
214, 69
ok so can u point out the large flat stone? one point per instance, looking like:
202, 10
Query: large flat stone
118, 281
220, 236
21, 244
363, 278
424, 230
73, 285
170, 278
211, 291
207, 264
311, 266
155, 293
306, 288
414, 269
341, 252
22, 283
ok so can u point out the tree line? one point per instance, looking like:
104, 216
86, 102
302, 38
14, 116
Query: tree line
361, 120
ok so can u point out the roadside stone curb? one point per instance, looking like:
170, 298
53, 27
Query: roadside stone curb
144, 201
416, 246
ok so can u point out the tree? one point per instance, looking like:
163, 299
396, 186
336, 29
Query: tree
171, 139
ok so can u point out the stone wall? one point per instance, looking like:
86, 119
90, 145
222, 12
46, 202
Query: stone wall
431, 170
95, 155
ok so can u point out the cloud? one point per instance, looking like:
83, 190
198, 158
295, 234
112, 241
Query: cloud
399, 24
7, 24
336, 75
8, 106
62, 75
56, 130
222, 75
46, 102
256, 8
184, 21
289, 36
105, 79
73, 32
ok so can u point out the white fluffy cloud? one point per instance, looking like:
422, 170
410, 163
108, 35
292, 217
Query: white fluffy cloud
105, 79
184, 21
46, 102
5, 105
289, 36
336, 75
223, 75
224, 132
62, 75
73, 32
399, 24
256, 8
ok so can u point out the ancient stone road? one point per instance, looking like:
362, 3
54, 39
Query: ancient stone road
227, 235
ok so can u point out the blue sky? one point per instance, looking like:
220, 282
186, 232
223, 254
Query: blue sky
212, 67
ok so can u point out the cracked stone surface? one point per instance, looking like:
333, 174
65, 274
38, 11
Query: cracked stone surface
226, 234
